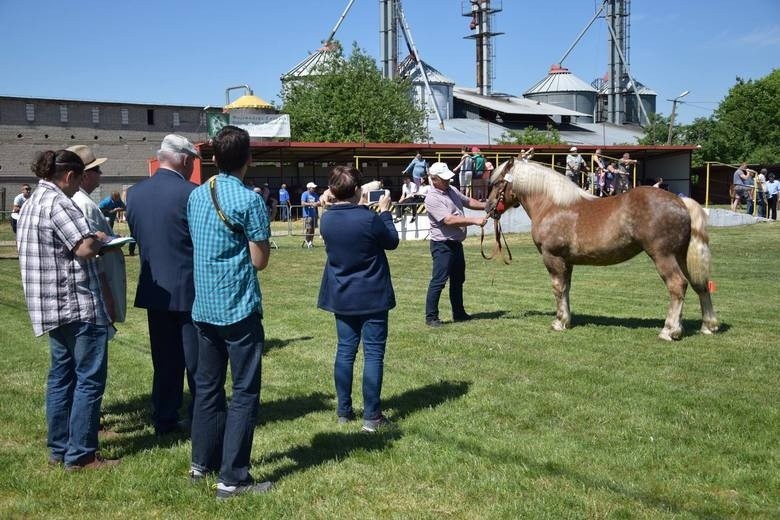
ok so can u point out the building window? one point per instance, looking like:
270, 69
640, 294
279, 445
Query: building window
29, 110
95, 115
176, 120
150, 116
63, 113
204, 119
125, 116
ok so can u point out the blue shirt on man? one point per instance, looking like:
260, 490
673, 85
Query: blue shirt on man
309, 211
226, 286
284, 196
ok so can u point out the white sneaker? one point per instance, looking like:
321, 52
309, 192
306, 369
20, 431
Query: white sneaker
309, 245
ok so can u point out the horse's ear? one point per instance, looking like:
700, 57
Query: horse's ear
510, 162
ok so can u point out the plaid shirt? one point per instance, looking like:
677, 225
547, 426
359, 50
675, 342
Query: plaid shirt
59, 287
226, 285
441, 204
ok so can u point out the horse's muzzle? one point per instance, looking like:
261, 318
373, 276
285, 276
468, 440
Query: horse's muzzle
494, 210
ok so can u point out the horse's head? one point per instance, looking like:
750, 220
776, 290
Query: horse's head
501, 196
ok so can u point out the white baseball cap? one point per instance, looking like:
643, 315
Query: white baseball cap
311, 185
573, 149
441, 170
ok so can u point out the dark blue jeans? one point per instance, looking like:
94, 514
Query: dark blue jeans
221, 434
373, 329
74, 390
448, 263
174, 344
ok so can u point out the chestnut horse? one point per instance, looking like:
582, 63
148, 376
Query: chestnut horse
572, 227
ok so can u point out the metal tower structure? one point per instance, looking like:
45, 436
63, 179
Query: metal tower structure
388, 37
481, 13
619, 84
617, 18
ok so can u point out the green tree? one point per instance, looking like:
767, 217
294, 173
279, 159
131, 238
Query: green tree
349, 101
746, 122
699, 133
530, 136
657, 131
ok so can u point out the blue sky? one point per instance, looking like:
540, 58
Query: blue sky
188, 52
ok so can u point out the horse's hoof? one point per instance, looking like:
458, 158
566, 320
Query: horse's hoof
665, 335
557, 325
709, 329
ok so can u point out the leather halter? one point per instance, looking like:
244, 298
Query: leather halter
495, 213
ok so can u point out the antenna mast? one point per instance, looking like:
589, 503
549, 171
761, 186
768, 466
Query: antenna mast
481, 14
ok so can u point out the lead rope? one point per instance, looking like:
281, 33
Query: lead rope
497, 247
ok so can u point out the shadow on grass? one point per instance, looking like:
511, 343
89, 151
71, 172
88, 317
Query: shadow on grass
492, 315
690, 326
128, 415
276, 343
428, 396
131, 420
291, 408
335, 446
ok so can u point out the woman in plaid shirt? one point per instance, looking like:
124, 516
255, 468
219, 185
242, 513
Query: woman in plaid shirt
57, 254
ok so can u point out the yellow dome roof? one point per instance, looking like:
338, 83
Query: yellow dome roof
248, 101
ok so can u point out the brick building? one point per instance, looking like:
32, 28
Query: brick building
128, 134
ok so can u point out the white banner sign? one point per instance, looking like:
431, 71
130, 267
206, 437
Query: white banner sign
262, 125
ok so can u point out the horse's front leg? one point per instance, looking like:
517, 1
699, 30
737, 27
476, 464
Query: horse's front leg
560, 274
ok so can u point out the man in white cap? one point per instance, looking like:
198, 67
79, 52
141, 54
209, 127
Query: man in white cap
111, 262
444, 205
310, 202
574, 164
157, 215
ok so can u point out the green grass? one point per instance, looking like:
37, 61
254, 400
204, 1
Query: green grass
499, 417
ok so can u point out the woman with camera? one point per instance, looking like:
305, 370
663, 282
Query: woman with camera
357, 288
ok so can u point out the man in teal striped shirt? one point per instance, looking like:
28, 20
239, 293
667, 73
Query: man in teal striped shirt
230, 232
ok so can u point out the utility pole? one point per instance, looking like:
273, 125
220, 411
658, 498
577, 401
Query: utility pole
671, 118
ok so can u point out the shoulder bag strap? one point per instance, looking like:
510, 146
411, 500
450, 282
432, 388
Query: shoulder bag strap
221, 214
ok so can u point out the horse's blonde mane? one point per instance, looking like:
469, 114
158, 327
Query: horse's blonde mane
530, 178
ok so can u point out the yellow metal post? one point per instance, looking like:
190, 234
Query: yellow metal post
707, 188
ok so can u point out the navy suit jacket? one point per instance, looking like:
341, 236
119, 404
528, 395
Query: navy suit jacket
157, 216
356, 279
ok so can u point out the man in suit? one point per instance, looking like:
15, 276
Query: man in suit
157, 216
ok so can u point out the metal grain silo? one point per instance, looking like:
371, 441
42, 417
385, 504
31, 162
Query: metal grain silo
562, 88
441, 86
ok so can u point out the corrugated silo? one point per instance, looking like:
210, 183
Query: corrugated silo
441, 86
562, 88
632, 113
312, 64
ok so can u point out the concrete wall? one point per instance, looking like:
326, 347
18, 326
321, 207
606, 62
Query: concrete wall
127, 146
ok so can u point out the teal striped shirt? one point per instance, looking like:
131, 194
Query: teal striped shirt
226, 286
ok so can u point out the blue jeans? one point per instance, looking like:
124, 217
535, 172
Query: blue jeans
373, 329
284, 211
174, 345
222, 435
74, 390
448, 263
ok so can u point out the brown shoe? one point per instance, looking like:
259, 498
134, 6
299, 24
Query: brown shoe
94, 461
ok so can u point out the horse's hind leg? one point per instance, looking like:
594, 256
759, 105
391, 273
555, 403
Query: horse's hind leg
709, 321
676, 283
560, 273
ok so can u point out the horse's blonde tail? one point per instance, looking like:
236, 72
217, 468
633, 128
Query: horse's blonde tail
698, 257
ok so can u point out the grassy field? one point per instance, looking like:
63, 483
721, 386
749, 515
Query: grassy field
499, 417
